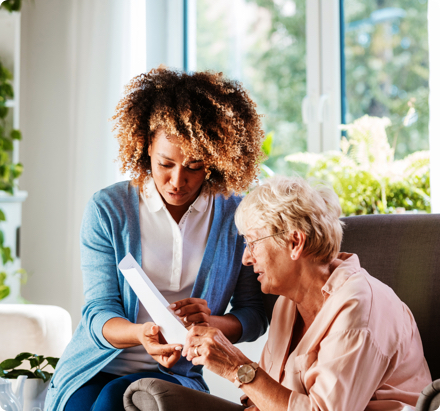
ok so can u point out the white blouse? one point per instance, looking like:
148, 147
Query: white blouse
171, 257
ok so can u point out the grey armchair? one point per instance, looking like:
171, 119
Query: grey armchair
403, 251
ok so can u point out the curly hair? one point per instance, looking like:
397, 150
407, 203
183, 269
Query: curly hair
213, 119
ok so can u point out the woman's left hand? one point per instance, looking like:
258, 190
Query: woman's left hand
214, 351
192, 311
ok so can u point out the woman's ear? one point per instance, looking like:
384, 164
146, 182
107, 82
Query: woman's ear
297, 241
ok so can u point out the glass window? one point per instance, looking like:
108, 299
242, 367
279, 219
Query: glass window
262, 44
386, 70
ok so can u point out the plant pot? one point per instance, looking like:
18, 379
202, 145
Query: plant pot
34, 393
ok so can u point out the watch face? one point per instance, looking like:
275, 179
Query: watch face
245, 373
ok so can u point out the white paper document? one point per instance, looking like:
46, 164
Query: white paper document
154, 302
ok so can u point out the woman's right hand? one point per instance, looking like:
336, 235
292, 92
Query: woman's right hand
155, 345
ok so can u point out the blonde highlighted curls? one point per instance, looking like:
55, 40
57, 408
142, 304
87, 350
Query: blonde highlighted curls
292, 204
213, 118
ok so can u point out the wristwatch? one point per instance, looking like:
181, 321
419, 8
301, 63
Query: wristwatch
245, 374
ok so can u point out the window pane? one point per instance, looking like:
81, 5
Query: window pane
386, 52
262, 44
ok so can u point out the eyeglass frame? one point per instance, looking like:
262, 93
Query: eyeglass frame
250, 245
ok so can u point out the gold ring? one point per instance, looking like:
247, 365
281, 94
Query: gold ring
196, 353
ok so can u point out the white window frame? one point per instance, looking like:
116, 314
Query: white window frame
321, 107
165, 19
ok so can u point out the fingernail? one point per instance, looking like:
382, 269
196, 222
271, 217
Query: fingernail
172, 305
177, 312
178, 348
185, 319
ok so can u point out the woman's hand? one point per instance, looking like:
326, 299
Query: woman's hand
214, 351
192, 311
154, 343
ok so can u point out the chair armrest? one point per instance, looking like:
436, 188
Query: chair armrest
429, 399
150, 394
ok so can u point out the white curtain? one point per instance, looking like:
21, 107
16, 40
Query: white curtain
76, 57
434, 100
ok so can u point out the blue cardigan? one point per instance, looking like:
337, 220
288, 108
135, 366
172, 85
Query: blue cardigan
110, 229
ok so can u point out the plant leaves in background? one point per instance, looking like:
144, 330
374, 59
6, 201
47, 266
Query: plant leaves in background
45, 376
17, 373
52, 361
267, 144
36, 360
11, 5
10, 364
16, 134
23, 356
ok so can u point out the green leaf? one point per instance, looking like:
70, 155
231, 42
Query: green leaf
10, 364
2, 372
23, 356
41, 374
4, 291
16, 134
6, 255
2, 217
267, 144
17, 373
11, 5
17, 170
52, 361
7, 145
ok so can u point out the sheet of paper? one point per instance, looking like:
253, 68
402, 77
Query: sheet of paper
154, 302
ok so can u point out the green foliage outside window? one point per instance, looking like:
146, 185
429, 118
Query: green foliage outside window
365, 175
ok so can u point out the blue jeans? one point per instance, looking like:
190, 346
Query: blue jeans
104, 391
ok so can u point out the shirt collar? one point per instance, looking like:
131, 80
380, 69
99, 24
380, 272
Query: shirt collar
151, 196
154, 201
342, 273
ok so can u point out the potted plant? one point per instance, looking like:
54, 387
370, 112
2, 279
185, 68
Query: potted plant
37, 383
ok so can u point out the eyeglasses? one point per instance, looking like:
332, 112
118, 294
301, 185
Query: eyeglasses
250, 246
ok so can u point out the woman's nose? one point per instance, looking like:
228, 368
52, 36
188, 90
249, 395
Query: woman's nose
178, 177
247, 259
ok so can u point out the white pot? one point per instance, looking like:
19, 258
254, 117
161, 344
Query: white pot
34, 393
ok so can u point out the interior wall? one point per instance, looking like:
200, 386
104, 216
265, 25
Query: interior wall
71, 80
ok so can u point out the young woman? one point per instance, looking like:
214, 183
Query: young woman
190, 141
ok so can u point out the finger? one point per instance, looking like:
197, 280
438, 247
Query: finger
187, 301
164, 349
150, 328
191, 352
170, 361
195, 318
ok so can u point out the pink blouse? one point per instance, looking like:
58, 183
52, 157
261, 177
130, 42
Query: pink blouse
362, 352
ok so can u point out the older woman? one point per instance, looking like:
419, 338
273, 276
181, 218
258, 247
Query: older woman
189, 141
339, 339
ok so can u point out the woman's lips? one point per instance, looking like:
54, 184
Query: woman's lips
177, 195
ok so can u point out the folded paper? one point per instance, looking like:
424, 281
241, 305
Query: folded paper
154, 302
